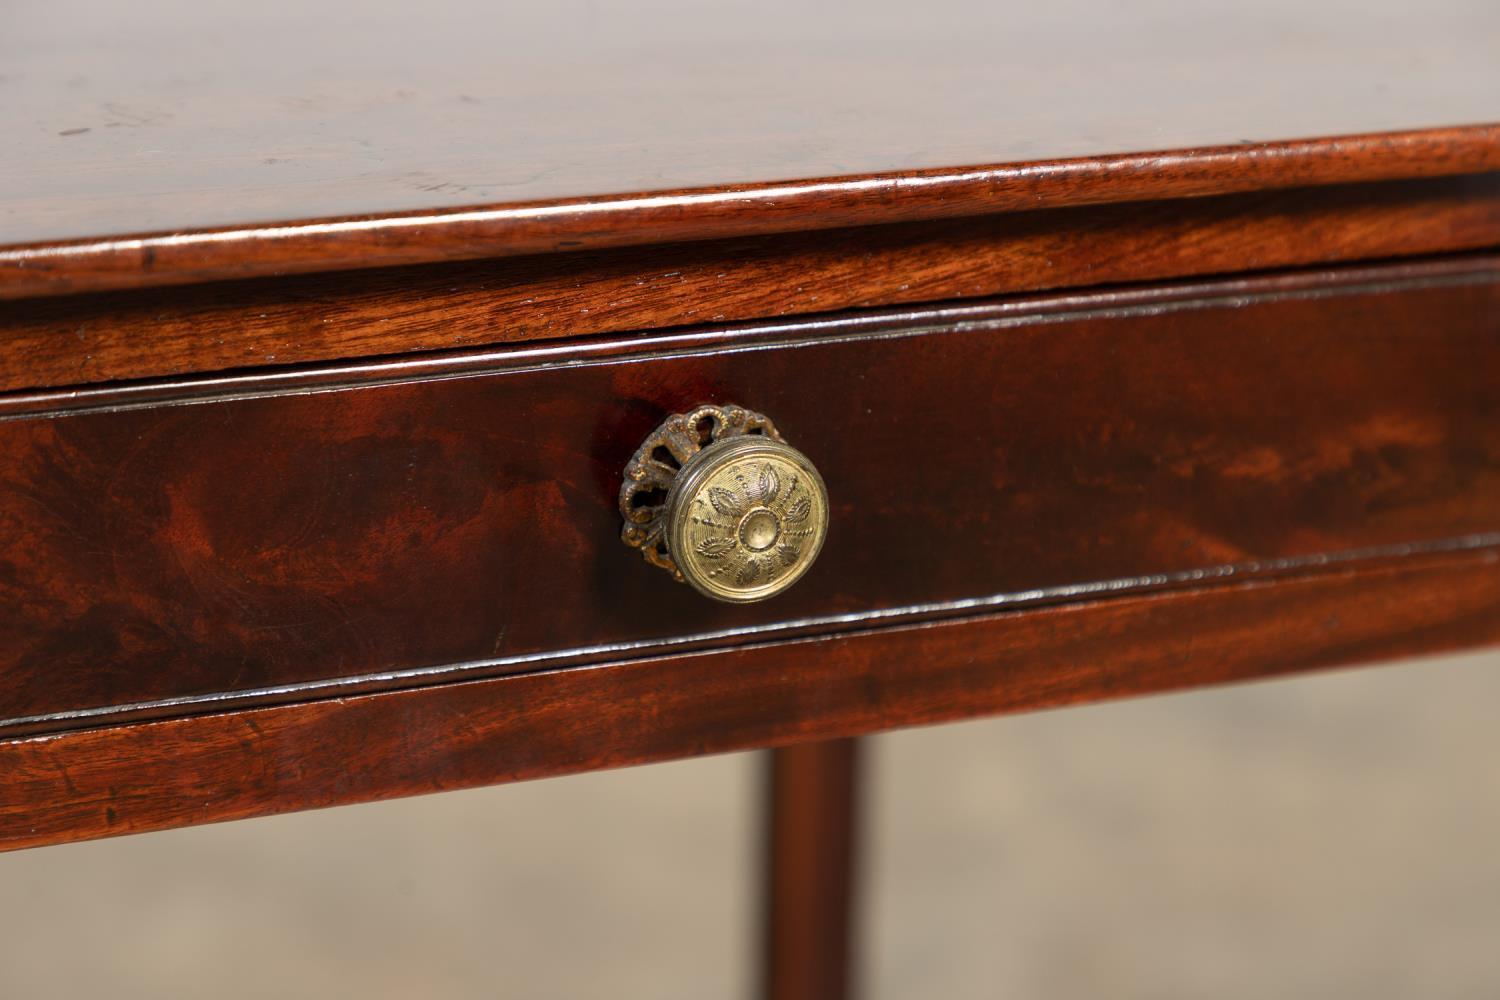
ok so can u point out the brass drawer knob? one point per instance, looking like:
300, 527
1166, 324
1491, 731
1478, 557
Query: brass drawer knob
717, 498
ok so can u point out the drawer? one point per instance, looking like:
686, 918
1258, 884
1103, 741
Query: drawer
173, 547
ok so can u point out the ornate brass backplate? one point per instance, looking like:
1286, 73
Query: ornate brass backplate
718, 499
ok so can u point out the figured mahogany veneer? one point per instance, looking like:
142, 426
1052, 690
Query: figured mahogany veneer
153, 776
325, 337
655, 217
251, 324
181, 546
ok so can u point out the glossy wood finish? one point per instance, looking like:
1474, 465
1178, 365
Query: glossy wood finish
277, 137
93, 338
387, 558
282, 543
130, 779
812, 815
661, 217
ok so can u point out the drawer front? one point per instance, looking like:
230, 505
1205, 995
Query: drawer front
459, 517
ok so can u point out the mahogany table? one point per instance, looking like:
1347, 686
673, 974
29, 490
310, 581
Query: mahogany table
940, 362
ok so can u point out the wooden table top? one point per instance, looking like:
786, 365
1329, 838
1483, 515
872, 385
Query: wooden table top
279, 136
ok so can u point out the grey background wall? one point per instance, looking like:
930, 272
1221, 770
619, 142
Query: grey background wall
1332, 836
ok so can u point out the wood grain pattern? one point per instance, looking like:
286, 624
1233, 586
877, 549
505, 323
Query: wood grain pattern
335, 244
130, 779
274, 138
402, 576
416, 527
91, 338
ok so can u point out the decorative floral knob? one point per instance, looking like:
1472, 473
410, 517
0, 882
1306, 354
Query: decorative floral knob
718, 499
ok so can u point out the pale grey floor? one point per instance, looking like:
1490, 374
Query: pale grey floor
1326, 837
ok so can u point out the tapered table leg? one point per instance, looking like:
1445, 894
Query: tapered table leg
811, 836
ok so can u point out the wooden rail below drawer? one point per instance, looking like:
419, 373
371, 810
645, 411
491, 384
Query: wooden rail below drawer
150, 776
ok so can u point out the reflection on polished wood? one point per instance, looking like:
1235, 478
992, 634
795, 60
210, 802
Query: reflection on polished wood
300, 138
1138, 347
65, 340
407, 526
120, 779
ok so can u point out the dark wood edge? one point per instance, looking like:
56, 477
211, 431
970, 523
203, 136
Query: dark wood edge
282, 247
261, 324
152, 776
1020, 310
